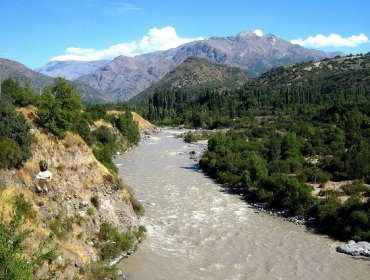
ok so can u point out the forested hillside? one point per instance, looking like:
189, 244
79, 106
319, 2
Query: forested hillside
282, 89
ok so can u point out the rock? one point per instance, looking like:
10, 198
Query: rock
79, 264
192, 152
82, 214
355, 249
45, 215
84, 203
40, 203
38, 189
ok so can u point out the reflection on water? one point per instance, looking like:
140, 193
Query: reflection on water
196, 231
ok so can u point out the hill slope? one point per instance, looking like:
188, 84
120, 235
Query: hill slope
64, 205
23, 74
70, 69
347, 71
195, 74
125, 77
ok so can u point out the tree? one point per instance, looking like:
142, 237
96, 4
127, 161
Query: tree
59, 106
128, 127
15, 138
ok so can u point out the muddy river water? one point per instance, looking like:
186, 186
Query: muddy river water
197, 231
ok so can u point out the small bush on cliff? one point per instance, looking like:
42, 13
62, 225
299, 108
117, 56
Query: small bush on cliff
101, 270
111, 242
16, 262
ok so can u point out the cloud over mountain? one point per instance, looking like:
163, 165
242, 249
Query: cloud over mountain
157, 39
332, 40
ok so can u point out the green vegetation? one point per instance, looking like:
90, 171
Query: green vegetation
128, 128
290, 129
274, 158
111, 242
59, 110
95, 201
15, 138
282, 90
59, 106
196, 136
16, 262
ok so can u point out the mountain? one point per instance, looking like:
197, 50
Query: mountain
125, 77
70, 69
340, 72
195, 74
23, 74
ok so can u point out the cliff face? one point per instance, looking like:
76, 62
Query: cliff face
78, 181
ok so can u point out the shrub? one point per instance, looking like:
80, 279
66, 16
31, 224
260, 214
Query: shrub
23, 208
128, 127
356, 187
112, 242
101, 270
95, 201
10, 154
137, 205
15, 138
105, 136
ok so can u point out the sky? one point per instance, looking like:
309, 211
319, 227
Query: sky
35, 32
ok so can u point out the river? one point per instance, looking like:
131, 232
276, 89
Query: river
197, 231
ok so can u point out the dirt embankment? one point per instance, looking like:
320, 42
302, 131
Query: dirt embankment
78, 180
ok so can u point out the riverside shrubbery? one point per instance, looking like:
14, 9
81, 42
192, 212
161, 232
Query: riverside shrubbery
276, 163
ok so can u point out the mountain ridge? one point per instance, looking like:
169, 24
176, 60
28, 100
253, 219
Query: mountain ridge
70, 69
125, 77
195, 74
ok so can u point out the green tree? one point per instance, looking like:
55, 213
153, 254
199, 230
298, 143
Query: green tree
59, 106
128, 127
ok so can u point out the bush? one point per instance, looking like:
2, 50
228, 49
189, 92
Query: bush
137, 205
101, 270
357, 187
105, 136
23, 208
128, 127
95, 201
111, 242
10, 154
15, 138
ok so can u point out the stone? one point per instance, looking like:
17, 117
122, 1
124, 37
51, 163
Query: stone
82, 214
355, 249
79, 264
40, 203
84, 203
38, 189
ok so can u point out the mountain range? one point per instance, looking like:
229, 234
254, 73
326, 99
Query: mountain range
125, 77
71, 69
37, 81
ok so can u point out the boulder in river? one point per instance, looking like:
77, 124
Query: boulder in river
355, 249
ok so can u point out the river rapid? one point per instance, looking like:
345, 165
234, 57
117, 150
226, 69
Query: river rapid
197, 231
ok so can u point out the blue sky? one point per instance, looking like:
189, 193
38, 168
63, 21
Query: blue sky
35, 32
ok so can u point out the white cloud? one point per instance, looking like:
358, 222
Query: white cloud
123, 7
332, 40
258, 32
157, 39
